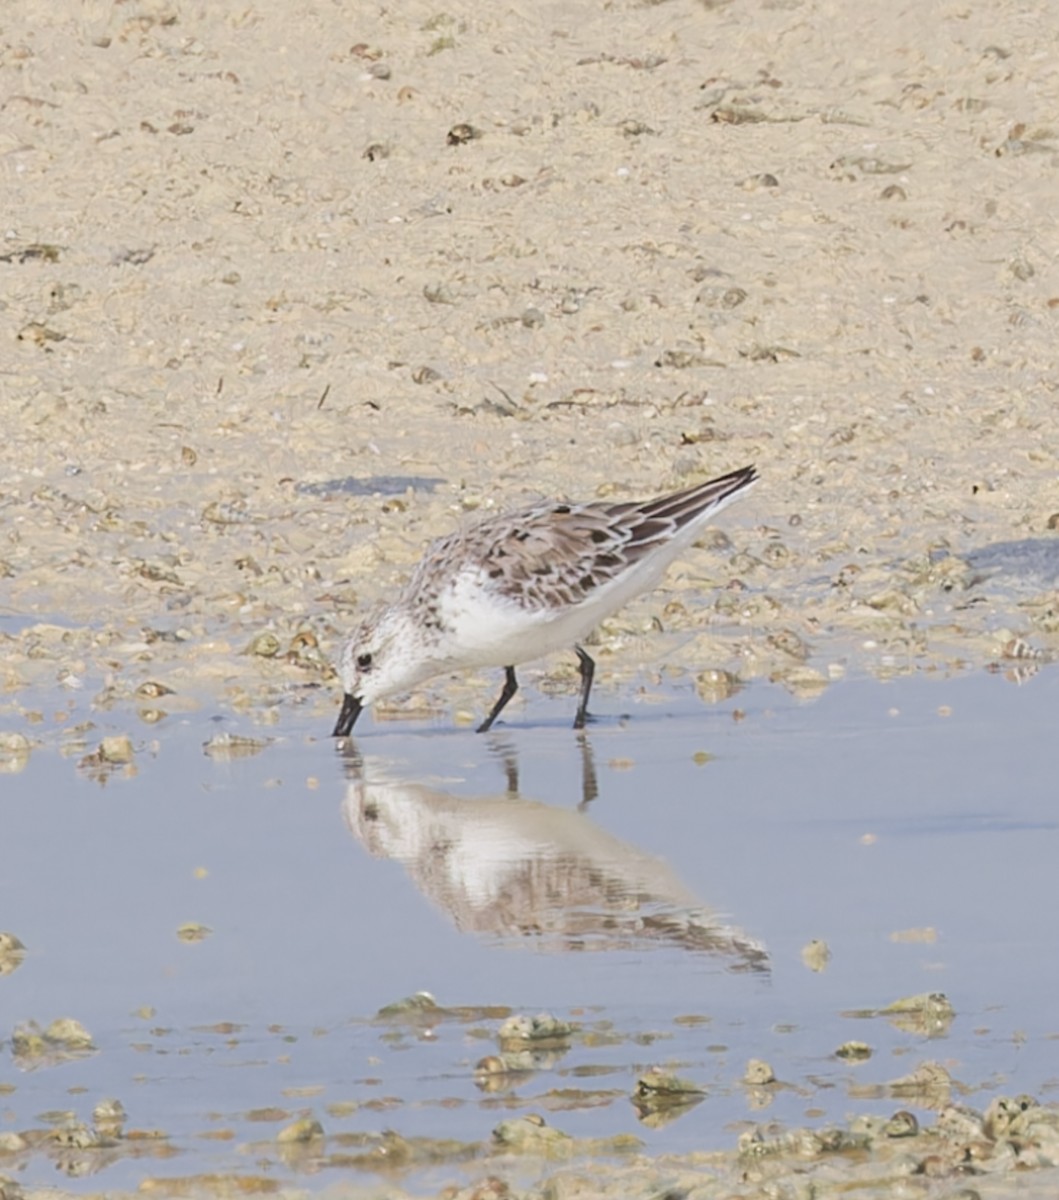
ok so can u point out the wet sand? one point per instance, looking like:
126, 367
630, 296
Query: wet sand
250, 253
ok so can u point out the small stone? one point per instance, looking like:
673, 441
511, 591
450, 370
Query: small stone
460, 135
854, 1051
116, 749
758, 1072
264, 645
305, 1130
69, 1033
226, 746
541, 1028
816, 955
108, 1117
192, 931
419, 1002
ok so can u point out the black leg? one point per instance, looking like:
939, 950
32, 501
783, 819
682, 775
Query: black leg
509, 689
587, 667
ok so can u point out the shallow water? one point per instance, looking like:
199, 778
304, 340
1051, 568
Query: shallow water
658, 897
1023, 567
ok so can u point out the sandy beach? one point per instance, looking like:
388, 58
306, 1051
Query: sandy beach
589, 251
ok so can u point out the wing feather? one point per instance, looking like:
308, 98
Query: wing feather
557, 555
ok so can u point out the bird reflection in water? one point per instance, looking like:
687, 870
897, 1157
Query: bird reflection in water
507, 867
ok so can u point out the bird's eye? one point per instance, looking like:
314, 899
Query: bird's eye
364, 662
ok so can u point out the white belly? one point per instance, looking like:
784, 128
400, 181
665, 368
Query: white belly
492, 630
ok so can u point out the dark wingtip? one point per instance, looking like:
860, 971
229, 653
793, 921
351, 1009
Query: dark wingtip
735, 481
347, 718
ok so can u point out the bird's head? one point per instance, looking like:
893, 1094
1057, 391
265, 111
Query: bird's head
381, 657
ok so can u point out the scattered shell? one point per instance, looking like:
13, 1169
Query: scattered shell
928, 1012
68, 1032
854, 1051
541, 1028
227, 512
816, 955
662, 1097
264, 645
12, 953
1017, 647
33, 252
460, 135
737, 114
788, 642
108, 1117
683, 360
930, 1082
712, 296
39, 334
532, 1135
192, 931
11, 944
305, 1130
901, 1124
802, 681
75, 1136
151, 690
418, 1002
438, 293
63, 1039
116, 749
959, 1122
1010, 1117
15, 749
498, 1070
758, 1072
226, 746
715, 685
659, 1082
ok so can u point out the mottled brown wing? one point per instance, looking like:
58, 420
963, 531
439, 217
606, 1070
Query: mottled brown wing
557, 554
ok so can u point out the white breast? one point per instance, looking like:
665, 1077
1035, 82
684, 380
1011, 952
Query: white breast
489, 629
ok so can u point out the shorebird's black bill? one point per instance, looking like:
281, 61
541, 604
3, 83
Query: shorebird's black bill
347, 718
